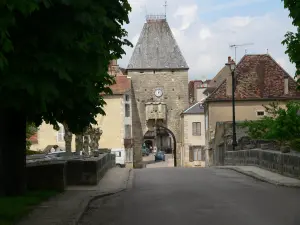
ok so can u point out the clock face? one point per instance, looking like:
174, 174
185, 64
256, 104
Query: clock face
158, 92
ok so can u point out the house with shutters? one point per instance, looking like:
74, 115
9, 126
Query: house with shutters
116, 125
260, 80
193, 136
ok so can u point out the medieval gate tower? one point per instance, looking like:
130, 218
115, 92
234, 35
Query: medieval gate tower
159, 75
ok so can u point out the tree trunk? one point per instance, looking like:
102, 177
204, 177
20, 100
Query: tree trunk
68, 138
12, 153
79, 143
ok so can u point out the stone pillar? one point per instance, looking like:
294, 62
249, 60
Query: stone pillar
137, 133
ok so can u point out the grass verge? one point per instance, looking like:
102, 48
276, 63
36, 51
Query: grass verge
12, 209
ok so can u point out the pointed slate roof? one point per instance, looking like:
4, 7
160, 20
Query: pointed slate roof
157, 48
195, 109
258, 77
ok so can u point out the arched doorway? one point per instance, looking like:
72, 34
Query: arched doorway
174, 150
161, 139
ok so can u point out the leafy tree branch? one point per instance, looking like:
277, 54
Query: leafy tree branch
281, 124
292, 40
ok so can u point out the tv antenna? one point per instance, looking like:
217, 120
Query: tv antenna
166, 5
237, 46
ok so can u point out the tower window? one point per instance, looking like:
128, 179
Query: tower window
127, 110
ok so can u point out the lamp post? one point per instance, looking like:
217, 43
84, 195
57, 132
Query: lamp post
231, 65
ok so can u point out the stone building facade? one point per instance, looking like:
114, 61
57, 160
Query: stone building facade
159, 75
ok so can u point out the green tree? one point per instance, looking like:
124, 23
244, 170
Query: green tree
292, 40
54, 58
31, 129
281, 124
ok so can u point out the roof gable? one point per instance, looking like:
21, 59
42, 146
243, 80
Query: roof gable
157, 48
258, 77
220, 77
195, 109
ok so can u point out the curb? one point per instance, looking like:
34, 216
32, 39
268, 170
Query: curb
260, 178
96, 197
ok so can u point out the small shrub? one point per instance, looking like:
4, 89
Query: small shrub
295, 145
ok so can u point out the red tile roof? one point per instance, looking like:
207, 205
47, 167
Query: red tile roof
33, 139
258, 77
122, 85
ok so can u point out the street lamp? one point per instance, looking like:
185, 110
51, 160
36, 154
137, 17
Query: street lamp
232, 66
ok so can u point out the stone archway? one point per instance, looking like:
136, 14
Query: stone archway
174, 142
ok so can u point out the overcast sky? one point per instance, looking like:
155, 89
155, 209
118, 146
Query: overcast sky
204, 29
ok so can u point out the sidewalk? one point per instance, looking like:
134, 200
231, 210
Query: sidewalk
264, 175
67, 208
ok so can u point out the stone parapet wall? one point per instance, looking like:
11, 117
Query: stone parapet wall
47, 176
287, 164
88, 171
57, 174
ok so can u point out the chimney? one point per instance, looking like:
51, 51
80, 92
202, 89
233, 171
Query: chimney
229, 59
286, 85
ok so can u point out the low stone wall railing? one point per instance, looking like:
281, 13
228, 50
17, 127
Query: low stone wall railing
56, 174
46, 176
89, 171
283, 163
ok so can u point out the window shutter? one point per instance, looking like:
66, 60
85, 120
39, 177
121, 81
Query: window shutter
203, 155
191, 154
194, 128
198, 128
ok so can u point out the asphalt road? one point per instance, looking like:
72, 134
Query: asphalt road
194, 196
151, 163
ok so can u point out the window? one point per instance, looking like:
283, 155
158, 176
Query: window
61, 134
127, 110
196, 128
127, 131
196, 153
260, 113
126, 98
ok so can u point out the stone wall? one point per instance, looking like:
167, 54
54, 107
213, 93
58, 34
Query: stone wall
284, 163
47, 176
175, 95
222, 141
88, 171
56, 174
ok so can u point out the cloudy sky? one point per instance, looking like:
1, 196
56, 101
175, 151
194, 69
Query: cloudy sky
204, 29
